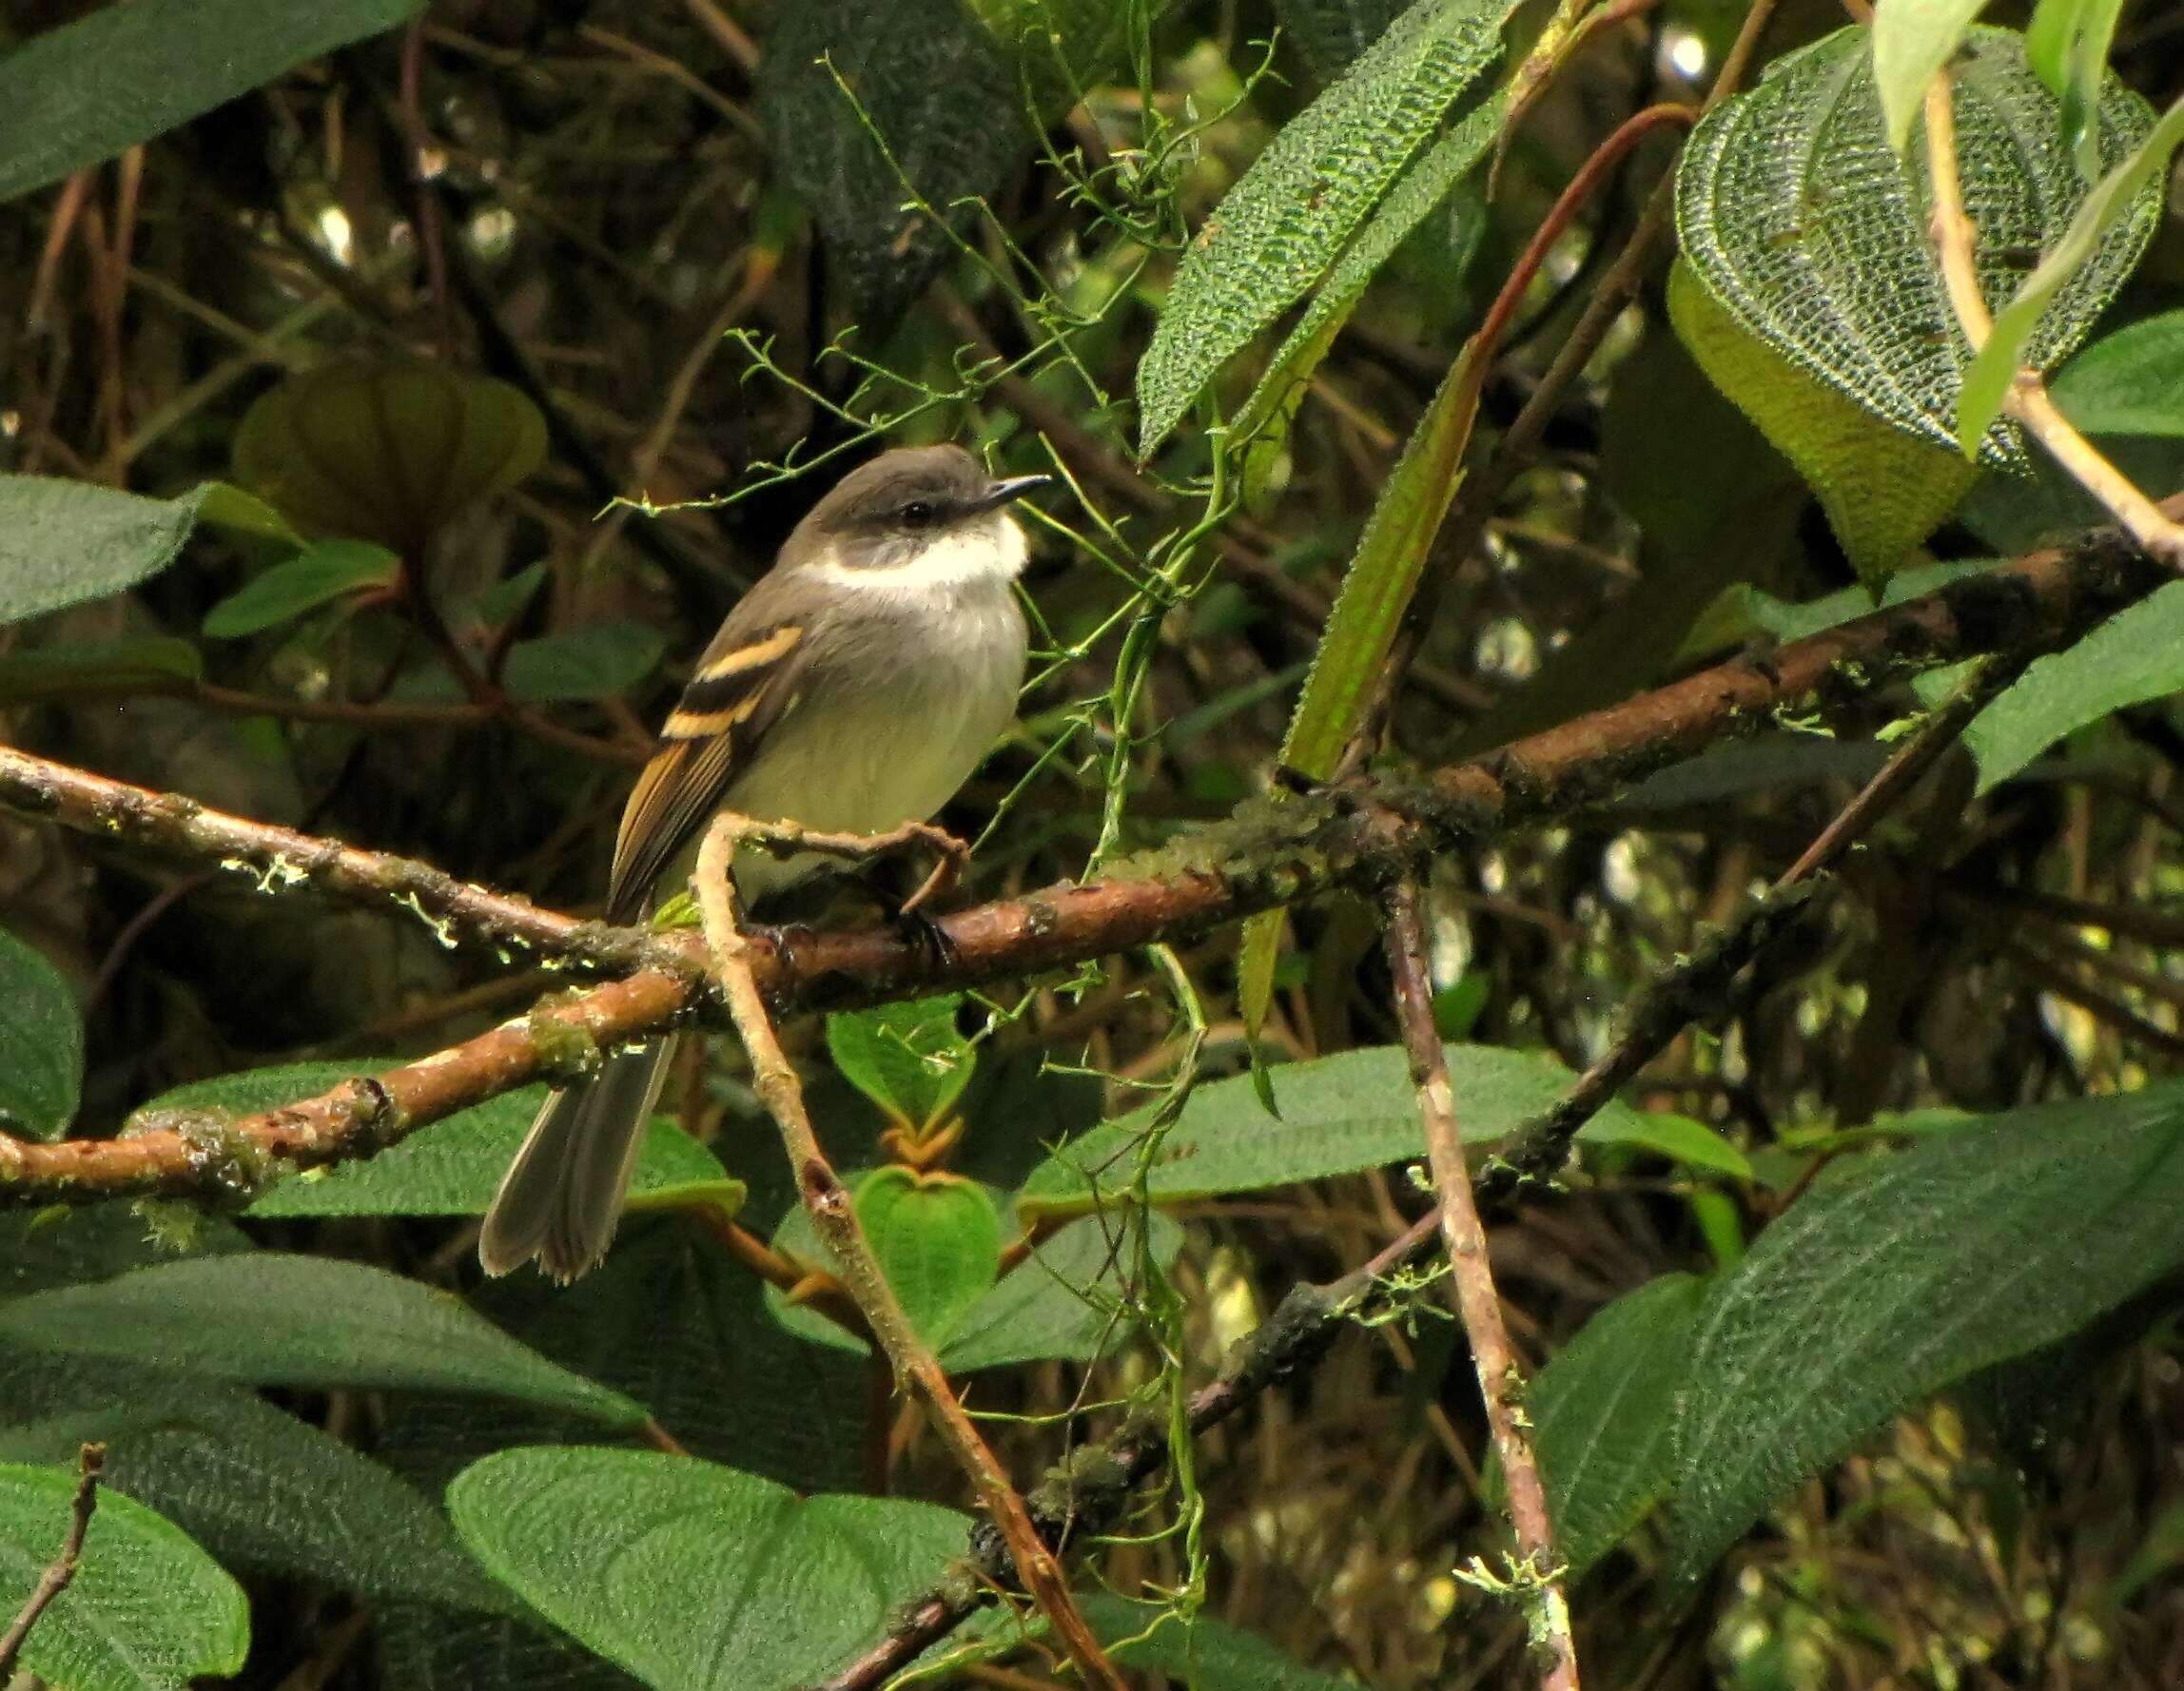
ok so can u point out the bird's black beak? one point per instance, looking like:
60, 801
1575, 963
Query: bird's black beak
1010, 490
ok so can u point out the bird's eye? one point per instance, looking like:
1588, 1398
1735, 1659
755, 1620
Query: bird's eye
917, 515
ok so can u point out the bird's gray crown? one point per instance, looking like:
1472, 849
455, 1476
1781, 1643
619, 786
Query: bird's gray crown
906, 498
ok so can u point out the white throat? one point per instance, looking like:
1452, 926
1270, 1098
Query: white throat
986, 555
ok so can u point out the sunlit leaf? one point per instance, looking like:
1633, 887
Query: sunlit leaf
2067, 46
1912, 39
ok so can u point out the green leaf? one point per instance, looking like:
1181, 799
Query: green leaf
1802, 223
1408, 204
1202, 1653
1681, 1139
2067, 46
1278, 229
1338, 1115
1604, 1417
693, 1575
123, 74
1898, 1274
2131, 382
1061, 1300
906, 1057
386, 451
264, 1317
63, 542
601, 660
943, 95
1333, 33
938, 1240
41, 1043
257, 1488
2114, 218
148, 1609
1912, 39
147, 663
57, 1247
1883, 489
2136, 655
451, 1168
319, 572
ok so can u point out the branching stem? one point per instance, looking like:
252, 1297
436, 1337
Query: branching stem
58, 1574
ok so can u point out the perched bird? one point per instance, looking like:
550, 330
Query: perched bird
854, 690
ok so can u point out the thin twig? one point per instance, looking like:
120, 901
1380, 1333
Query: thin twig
1956, 243
1535, 1580
89, 1460
834, 1215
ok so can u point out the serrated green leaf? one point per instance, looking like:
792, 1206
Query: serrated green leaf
1061, 1301
2136, 655
1339, 1115
1412, 198
41, 1044
1604, 1417
693, 1575
142, 664
63, 542
1883, 489
2126, 200
266, 1318
2066, 45
257, 1488
1278, 229
319, 572
601, 660
1912, 39
2131, 382
938, 1240
1898, 1274
906, 1057
123, 74
1802, 223
148, 1609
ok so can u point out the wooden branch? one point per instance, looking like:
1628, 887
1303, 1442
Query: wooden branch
1360, 834
1535, 1575
89, 1460
834, 1216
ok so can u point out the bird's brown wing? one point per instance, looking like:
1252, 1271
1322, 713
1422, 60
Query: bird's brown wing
743, 684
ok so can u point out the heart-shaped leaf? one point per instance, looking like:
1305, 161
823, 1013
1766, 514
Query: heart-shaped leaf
1810, 231
148, 1609
692, 1576
906, 1057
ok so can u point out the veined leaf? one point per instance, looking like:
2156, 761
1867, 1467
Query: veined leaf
63, 542
2115, 215
123, 74
41, 1043
1061, 1300
1912, 39
906, 1057
2131, 382
1883, 489
315, 576
1278, 230
1898, 1274
1802, 223
693, 1575
2067, 46
148, 1609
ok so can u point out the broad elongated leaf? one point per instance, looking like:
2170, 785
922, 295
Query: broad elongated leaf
311, 578
2131, 382
695, 1576
1801, 220
257, 1488
1912, 39
906, 1057
1883, 489
2067, 46
63, 542
1355, 1110
123, 74
451, 1168
148, 1609
41, 1044
263, 1316
1333, 33
149, 663
2125, 199
1061, 1300
1898, 1274
1278, 229
601, 661
1604, 1417
2136, 655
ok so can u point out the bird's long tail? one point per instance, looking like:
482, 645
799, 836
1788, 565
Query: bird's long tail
563, 1194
